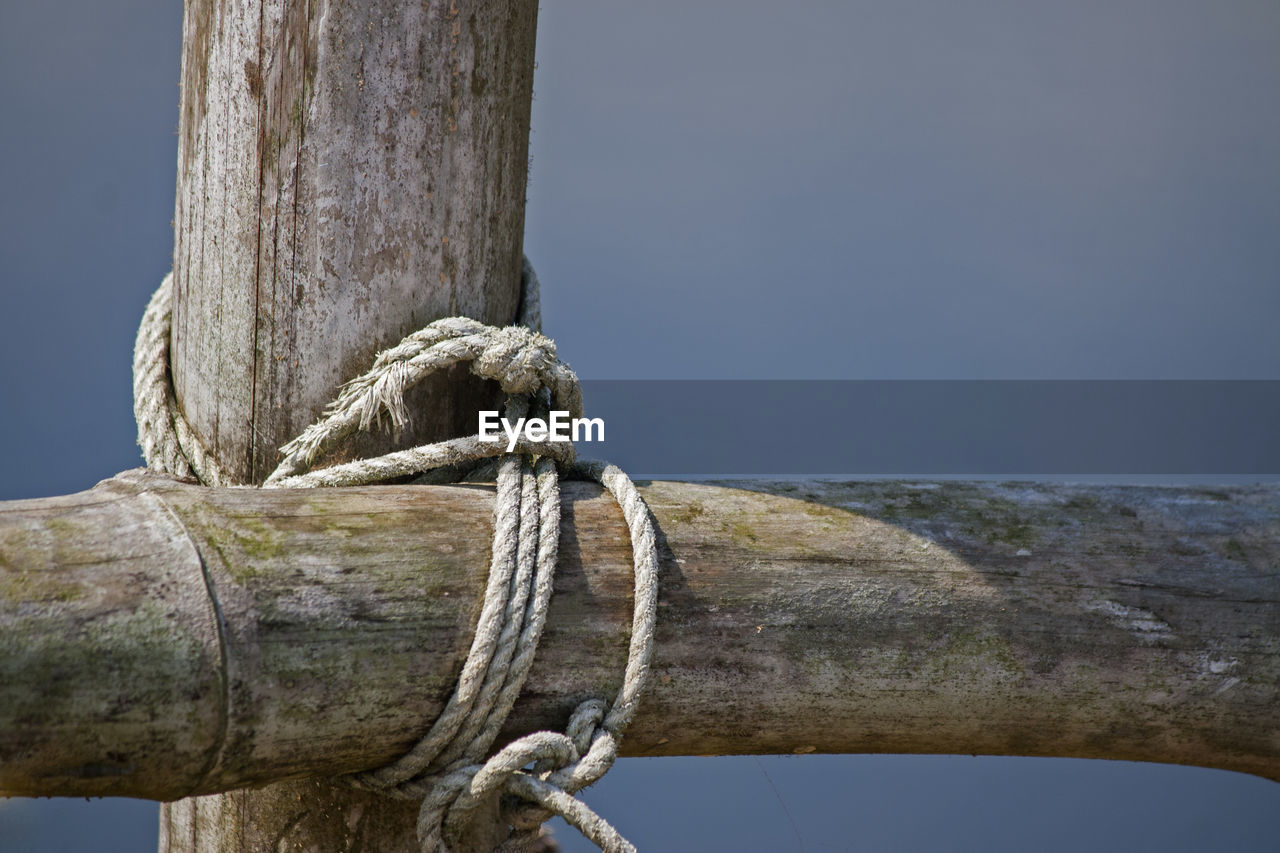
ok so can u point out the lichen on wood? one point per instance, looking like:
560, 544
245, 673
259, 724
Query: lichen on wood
161, 638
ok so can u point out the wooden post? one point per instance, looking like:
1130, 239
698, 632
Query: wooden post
347, 172
1138, 623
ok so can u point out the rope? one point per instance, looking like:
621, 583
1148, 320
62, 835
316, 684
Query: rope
535, 776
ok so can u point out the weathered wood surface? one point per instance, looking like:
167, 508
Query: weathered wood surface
347, 173
1026, 619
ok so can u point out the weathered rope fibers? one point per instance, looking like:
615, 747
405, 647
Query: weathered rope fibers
447, 767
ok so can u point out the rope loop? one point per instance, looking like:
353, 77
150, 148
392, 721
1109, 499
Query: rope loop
451, 768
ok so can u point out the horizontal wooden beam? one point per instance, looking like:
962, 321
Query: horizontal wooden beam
159, 639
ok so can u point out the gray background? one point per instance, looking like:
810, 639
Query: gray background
819, 190
1204, 429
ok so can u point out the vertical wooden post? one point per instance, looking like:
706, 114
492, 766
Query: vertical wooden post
347, 172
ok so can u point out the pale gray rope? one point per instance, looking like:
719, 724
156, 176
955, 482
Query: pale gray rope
447, 768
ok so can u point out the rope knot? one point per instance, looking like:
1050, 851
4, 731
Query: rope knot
539, 773
520, 360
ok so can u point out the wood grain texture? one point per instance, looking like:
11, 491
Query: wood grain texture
1135, 623
347, 172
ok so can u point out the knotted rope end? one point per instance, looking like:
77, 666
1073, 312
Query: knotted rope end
537, 775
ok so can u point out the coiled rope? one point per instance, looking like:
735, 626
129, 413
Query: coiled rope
534, 776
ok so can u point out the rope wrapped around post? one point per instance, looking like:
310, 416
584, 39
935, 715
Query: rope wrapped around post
537, 775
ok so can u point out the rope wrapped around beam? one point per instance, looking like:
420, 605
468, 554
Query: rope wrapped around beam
450, 768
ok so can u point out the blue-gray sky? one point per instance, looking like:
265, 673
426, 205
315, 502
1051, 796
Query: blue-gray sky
911, 189
905, 189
